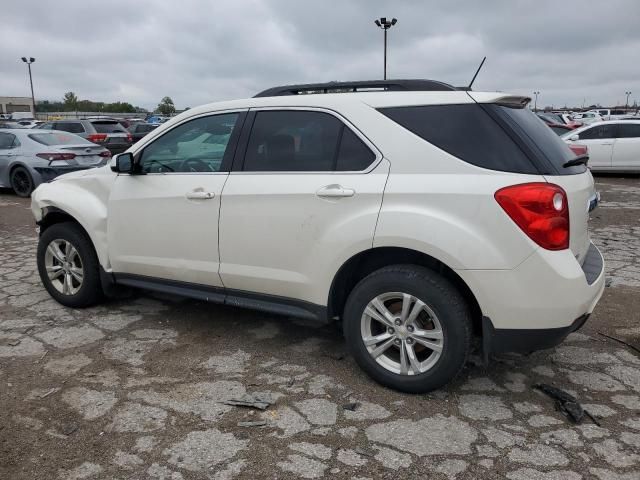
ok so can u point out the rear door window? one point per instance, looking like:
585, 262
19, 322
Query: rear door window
6, 140
353, 154
628, 130
467, 132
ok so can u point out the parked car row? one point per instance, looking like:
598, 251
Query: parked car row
29, 157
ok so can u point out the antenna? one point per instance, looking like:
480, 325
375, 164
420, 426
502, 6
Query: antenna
476, 74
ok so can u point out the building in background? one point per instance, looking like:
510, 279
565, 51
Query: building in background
9, 105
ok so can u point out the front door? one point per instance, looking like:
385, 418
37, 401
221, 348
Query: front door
599, 139
307, 194
163, 222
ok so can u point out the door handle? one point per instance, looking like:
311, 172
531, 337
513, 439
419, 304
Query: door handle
335, 191
200, 195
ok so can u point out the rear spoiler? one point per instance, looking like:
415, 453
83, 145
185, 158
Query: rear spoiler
513, 101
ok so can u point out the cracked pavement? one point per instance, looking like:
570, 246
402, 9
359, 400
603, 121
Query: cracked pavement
138, 387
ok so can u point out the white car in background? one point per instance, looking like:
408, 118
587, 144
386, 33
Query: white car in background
587, 117
614, 146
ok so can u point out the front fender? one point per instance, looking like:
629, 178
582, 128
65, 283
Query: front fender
84, 196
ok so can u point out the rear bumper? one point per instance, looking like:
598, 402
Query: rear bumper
49, 173
548, 291
524, 340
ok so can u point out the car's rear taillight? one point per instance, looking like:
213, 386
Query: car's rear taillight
56, 156
541, 210
106, 153
97, 137
579, 149
129, 138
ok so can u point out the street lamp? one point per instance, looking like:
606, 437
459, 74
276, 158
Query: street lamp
627, 102
33, 98
535, 104
385, 24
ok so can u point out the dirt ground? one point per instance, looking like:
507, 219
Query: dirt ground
136, 388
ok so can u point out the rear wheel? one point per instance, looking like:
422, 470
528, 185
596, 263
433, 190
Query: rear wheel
21, 181
408, 327
68, 265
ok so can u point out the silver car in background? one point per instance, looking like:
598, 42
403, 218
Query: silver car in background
29, 157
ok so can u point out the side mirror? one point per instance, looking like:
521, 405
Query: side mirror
574, 138
122, 163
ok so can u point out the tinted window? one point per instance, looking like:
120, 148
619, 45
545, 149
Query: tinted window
467, 132
108, 127
58, 138
6, 140
292, 141
195, 146
628, 130
72, 127
559, 130
541, 143
597, 132
145, 128
46, 126
353, 154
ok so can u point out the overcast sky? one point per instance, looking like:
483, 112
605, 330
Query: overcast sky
198, 51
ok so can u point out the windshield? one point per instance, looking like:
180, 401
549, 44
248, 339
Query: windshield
58, 138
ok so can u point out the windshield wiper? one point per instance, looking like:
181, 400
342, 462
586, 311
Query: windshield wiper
579, 160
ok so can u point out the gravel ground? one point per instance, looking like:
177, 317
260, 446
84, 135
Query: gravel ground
136, 388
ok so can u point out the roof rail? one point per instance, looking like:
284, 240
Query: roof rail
366, 85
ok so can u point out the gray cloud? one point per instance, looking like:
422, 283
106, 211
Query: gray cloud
199, 51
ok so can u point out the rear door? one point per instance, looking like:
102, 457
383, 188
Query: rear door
307, 189
600, 140
626, 150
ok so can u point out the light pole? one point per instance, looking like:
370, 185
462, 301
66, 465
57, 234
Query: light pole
626, 105
33, 98
385, 24
535, 104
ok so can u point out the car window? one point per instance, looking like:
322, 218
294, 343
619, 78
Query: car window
46, 126
628, 130
6, 140
559, 130
145, 128
597, 132
466, 132
353, 154
292, 141
195, 146
58, 138
108, 127
72, 127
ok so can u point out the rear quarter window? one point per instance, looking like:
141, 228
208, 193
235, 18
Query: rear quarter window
467, 132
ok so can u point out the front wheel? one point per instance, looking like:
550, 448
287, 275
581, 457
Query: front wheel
68, 265
408, 328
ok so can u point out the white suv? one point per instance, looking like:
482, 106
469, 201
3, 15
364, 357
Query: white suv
420, 215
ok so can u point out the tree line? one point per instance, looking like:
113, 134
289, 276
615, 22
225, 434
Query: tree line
70, 103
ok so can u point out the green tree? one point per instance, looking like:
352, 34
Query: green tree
70, 101
166, 106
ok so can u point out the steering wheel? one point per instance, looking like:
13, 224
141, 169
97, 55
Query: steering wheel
194, 165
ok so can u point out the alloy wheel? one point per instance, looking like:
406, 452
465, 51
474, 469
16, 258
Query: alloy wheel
64, 267
402, 333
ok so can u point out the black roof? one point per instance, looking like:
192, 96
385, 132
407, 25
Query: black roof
413, 85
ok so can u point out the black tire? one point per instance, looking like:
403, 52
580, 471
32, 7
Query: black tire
440, 296
21, 182
90, 291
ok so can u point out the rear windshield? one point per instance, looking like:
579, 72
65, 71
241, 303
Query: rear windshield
489, 136
58, 138
108, 127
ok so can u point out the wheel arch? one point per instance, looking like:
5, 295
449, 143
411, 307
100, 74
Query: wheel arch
363, 263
